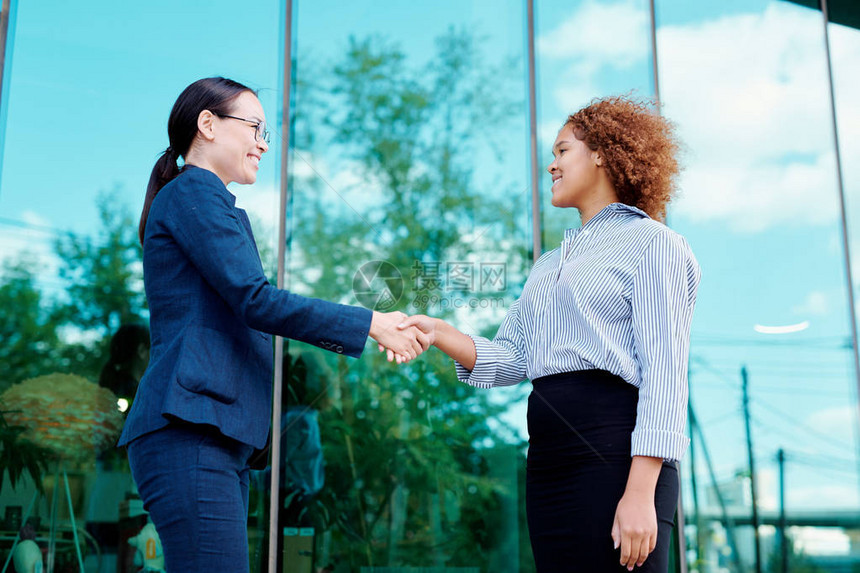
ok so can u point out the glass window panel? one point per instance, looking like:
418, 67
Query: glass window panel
410, 191
584, 50
90, 89
747, 84
845, 55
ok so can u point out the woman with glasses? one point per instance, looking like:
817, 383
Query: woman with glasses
602, 329
204, 403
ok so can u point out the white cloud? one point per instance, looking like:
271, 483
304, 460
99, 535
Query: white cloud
821, 541
600, 34
346, 185
35, 240
750, 95
815, 304
756, 197
263, 204
596, 37
822, 497
837, 422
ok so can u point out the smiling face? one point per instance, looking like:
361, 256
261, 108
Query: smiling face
233, 152
575, 170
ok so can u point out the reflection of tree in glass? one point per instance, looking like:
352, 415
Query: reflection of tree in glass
103, 271
105, 284
395, 150
27, 328
69, 332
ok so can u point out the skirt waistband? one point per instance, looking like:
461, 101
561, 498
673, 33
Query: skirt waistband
595, 374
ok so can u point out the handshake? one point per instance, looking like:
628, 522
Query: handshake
402, 337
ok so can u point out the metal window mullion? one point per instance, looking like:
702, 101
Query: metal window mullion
846, 243
535, 180
681, 557
6, 29
277, 390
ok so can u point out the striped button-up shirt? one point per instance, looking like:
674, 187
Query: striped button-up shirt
617, 295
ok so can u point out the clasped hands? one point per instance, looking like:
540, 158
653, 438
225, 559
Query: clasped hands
401, 336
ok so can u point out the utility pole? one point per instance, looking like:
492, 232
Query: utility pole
700, 534
755, 521
783, 540
728, 522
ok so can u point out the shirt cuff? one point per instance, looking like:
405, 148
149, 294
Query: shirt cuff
483, 375
659, 444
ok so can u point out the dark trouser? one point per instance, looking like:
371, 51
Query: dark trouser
580, 426
194, 484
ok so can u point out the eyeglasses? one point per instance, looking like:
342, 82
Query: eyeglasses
260, 131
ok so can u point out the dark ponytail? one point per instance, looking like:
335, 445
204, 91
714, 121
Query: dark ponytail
214, 94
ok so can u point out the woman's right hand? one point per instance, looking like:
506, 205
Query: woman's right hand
424, 323
444, 337
403, 344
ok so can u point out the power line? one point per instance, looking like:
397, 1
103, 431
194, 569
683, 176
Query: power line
796, 425
823, 342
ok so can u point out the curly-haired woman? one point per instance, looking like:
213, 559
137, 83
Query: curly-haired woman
602, 330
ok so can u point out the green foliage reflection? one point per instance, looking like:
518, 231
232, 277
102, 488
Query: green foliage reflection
416, 472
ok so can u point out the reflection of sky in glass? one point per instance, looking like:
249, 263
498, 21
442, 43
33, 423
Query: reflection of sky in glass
746, 84
759, 205
585, 49
499, 159
91, 88
92, 84
413, 28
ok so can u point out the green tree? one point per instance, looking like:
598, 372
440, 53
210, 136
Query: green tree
105, 284
70, 332
27, 328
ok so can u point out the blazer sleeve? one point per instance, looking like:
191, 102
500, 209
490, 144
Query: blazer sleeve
202, 219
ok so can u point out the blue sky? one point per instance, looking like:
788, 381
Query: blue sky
92, 84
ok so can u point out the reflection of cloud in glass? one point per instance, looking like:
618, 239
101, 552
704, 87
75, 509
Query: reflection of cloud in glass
816, 303
594, 39
32, 237
594, 44
750, 95
584, 34
836, 422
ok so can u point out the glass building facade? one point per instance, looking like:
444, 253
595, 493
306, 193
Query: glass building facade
406, 172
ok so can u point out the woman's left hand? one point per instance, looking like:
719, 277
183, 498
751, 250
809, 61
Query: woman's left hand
634, 529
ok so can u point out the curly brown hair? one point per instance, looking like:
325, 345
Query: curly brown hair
638, 147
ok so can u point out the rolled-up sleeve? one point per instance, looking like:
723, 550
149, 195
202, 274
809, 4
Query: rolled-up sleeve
663, 298
499, 362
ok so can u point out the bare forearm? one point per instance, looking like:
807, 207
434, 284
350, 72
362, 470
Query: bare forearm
642, 479
455, 344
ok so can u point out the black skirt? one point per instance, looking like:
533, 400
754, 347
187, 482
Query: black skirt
580, 426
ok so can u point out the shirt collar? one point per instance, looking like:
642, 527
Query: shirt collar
606, 213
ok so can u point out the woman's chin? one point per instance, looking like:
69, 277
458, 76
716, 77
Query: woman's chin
558, 202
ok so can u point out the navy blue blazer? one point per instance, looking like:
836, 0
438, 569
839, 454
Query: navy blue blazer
212, 312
